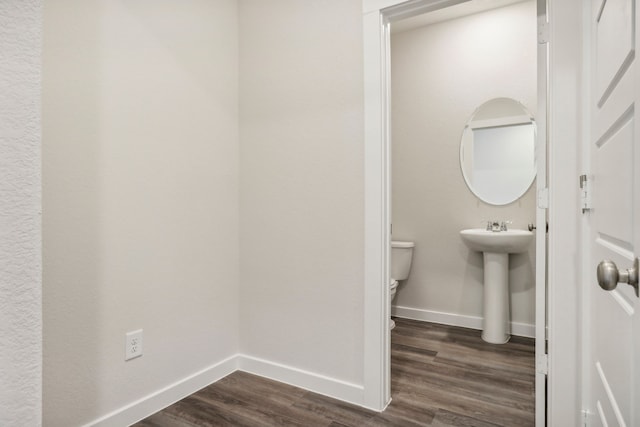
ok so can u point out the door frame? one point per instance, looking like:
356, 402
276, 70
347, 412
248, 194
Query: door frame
563, 62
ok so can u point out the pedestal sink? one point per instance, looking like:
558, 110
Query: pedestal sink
496, 247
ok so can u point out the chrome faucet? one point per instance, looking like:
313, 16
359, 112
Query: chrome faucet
496, 226
493, 226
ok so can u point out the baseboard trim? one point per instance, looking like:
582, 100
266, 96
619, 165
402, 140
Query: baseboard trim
332, 387
166, 396
472, 322
170, 394
328, 386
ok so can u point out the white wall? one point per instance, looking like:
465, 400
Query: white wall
301, 187
568, 121
140, 198
141, 188
440, 75
20, 230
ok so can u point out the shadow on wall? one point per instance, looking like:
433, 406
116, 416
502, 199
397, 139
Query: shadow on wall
72, 212
521, 272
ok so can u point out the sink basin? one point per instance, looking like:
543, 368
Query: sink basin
495, 248
502, 242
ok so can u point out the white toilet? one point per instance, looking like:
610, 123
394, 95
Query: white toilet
401, 254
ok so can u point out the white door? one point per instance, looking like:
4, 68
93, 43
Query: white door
612, 320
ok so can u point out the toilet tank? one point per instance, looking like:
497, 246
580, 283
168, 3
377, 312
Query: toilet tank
401, 254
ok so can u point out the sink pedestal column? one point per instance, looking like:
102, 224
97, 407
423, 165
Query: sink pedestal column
496, 328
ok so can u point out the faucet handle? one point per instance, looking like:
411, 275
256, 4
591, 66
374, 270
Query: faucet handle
503, 225
489, 225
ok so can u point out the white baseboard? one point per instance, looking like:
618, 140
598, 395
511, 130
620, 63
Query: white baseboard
472, 322
328, 386
332, 387
160, 399
166, 396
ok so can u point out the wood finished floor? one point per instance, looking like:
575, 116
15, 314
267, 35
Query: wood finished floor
440, 376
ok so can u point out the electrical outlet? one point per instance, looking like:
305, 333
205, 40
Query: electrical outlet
133, 344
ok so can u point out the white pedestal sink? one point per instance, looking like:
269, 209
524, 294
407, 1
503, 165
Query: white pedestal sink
496, 247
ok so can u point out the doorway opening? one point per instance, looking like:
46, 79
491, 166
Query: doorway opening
378, 187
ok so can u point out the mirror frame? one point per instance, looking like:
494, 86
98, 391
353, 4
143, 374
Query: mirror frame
525, 117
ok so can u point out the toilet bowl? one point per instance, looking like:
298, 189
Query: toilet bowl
393, 288
401, 255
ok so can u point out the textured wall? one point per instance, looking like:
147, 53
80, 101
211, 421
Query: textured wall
440, 75
301, 162
20, 264
140, 198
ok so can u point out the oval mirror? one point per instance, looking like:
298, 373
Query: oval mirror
497, 151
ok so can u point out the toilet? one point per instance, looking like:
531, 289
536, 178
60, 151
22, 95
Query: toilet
401, 254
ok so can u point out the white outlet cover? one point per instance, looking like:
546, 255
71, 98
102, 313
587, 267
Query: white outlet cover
133, 344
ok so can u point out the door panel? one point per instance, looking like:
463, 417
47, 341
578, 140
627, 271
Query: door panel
616, 108
614, 42
613, 186
614, 220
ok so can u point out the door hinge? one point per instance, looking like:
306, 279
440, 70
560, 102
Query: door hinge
585, 193
585, 417
543, 33
542, 364
543, 198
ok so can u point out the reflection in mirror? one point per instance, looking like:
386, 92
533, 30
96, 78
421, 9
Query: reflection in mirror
497, 151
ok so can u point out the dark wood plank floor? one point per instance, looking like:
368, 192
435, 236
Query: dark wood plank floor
440, 376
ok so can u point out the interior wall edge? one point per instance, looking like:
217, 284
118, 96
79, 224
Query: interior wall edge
565, 62
20, 213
